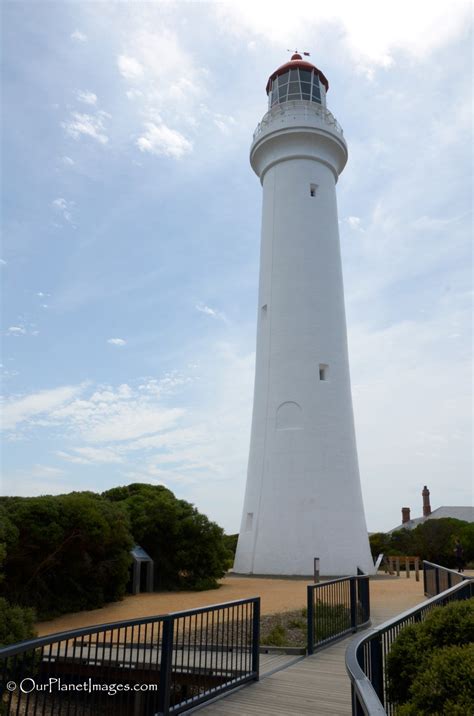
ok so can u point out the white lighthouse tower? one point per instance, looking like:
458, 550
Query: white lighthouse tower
303, 496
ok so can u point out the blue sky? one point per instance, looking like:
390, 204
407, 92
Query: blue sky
130, 242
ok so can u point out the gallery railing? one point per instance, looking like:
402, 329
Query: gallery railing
336, 608
366, 657
154, 665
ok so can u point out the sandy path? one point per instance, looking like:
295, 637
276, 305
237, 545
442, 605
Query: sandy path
277, 595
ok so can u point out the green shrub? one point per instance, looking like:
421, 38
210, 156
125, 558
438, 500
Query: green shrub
432, 540
452, 625
277, 636
189, 550
297, 624
330, 620
444, 687
65, 553
16, 623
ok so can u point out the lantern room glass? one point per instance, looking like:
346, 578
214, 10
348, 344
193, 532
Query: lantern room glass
295, 84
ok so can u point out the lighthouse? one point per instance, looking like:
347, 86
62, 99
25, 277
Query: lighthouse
303, 496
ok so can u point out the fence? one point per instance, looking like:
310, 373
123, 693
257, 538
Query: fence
438, 579
366, 657
336, 608
158, 665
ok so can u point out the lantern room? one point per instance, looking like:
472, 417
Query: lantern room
297, 80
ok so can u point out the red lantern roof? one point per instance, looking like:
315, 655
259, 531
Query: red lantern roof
295, 62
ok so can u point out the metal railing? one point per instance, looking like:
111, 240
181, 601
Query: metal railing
438, 579
366, 657
298, 109
336, 608
155, 665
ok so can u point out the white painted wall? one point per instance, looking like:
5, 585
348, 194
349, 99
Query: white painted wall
303, 497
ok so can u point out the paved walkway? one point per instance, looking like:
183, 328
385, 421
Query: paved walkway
317, 685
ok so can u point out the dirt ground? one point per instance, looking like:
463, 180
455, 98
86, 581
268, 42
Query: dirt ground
277, 595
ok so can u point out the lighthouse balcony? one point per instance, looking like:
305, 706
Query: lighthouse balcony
300, 112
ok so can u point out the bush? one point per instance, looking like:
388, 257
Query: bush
277, 636
452, 625
432, 540
16, 623
444, 685
65, 553
189, 550
330, 619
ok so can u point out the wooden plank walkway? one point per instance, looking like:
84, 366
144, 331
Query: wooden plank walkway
317, 685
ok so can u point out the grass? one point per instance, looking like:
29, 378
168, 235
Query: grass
283, 629
289, 628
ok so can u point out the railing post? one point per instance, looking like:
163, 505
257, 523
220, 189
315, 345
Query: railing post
366, 598
353, 593
357, 709
425, 578
437, 580
310, 620
256, 639
376, 664
165, 666
450, 579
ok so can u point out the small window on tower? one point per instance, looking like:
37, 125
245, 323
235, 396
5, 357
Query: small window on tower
313, 188
249, 522
323, 371
264, 309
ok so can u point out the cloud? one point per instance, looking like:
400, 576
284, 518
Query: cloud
129, 67
393, 27
86, 97
67, 161
117, 341
89, 125
353, 221
36, 480
168, 88
224, 122
63, 207
3, 262
16, 330
78, 36
160, 140
113, 415
22, 409
91, 456
208, 311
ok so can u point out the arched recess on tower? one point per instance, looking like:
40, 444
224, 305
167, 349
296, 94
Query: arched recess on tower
289, 416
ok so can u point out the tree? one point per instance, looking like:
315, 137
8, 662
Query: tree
434, 540
379, 544
66, 552
188, 549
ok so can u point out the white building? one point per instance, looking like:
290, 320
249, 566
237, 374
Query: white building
303, 497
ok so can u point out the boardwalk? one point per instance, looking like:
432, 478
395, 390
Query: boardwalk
316, 685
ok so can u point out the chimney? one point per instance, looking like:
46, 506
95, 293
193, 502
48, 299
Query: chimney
405, 515
426, 502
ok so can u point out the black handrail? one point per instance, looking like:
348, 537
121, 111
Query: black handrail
336, 608
437, 579
184, 658
366, 655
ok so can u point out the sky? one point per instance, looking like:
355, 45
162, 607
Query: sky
131, 228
